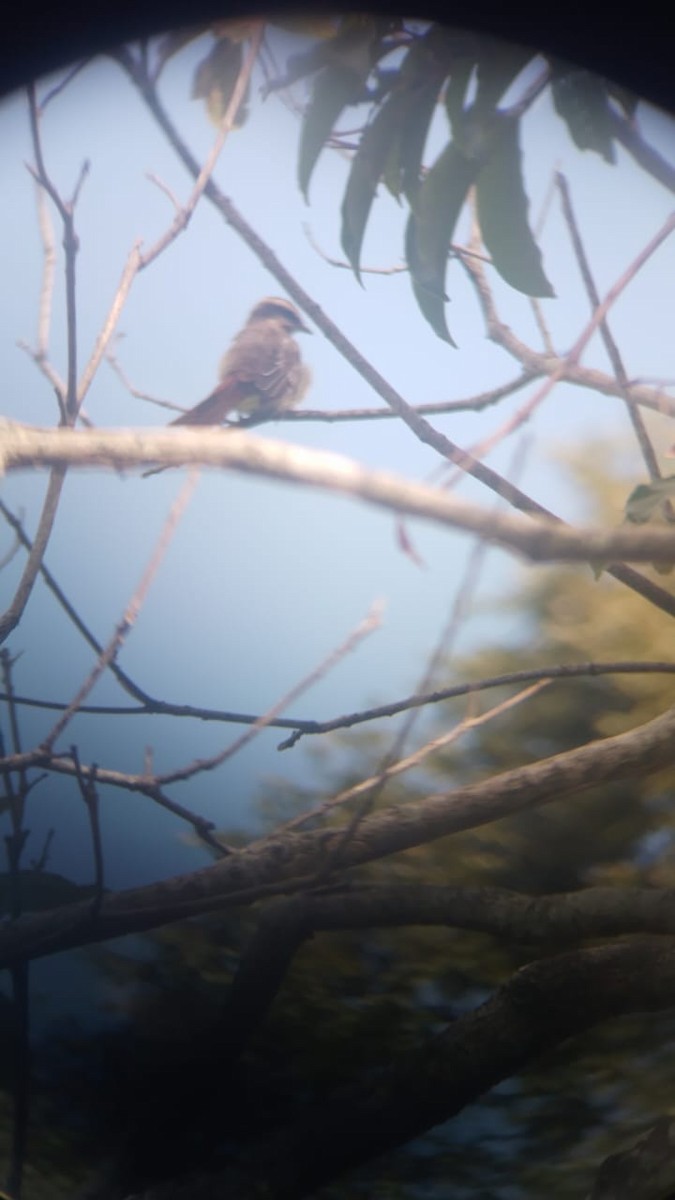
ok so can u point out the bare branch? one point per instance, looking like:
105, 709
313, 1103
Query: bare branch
49, 260
561, 671
70, 247
597, 321
12, 615
365, 627
184, 214
610, 345
122, 678
401, 765
541, 541
552, 922
130, 615
536, 1010
628, 133
131, 268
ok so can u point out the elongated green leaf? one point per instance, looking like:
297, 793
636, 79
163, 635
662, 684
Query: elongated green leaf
423, 71
348, 59
455, 92
334, 88
368, 167
429, 233
499, 63
392, 146
417, 108
580, 98
502, 212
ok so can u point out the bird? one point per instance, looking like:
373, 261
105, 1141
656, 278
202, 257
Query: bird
262, 374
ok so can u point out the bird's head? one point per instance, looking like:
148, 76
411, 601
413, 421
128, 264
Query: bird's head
276, 308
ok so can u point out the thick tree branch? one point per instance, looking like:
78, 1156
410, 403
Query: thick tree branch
293, 861
541, 541
539, 1008
551, 922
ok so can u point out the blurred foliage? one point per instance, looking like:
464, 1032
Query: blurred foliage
352, 1001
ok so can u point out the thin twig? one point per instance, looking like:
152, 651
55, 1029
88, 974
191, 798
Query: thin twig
365, 627
611, 347
289, 863
414, 759
89, 795
129, 619
598, 318
138, 260
49, 265
459, 607
560, 671
111, 359
66, 211
131, 268
12, 615
302, 726
63, 83
122, 678
628, 134
184, 214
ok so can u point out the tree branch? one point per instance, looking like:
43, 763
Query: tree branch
282, 864
538, 1009
541, 541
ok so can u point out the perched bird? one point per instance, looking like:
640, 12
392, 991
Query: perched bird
262, 373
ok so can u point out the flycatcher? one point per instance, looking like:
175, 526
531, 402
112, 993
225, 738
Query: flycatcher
262, 373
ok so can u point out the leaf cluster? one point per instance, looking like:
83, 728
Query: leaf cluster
404, 76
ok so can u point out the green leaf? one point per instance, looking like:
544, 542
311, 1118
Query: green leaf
334, 88
499, 63
644, 502
646, 498
438, 204
402, 172
392, 146
455, 92
502, 212
580, 98
368, 167
423, 71
348, 59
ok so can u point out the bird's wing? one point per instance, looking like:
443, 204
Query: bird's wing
261, 373
264, 359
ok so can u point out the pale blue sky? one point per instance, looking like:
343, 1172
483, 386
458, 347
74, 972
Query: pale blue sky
262, 580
